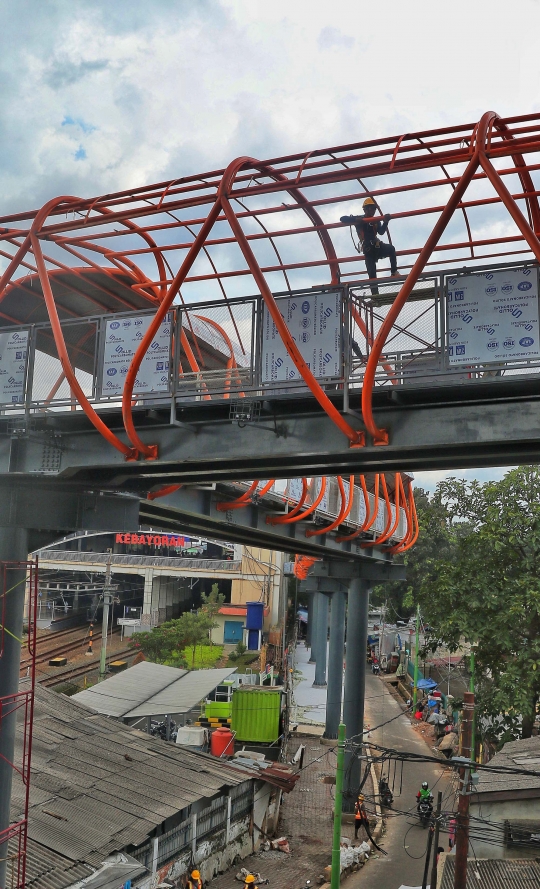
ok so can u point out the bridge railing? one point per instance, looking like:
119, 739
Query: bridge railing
456, 328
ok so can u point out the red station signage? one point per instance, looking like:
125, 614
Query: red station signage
151, 539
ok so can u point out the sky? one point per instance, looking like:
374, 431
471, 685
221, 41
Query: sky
97, 95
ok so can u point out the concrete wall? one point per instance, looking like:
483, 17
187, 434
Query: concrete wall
215, 853
507, 810
262, 570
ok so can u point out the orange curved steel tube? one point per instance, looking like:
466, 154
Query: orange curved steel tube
370, 518
388, 514
414, 523
163, 492
231, 363
478, 158
290, 517
369, 339
344, 511
243, 500
307, 512
356, 439
398, 547
388, 531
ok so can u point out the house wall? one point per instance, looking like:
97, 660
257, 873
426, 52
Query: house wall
505, 810
262, 580
228, 840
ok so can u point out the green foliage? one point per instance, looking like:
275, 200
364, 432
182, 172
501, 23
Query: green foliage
206, 656
175, 639
478, 579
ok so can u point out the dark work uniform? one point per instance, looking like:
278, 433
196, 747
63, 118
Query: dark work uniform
372, 248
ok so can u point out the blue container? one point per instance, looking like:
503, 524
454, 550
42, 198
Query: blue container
254, 615
253, 640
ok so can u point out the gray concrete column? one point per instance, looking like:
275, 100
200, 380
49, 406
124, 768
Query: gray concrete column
309, 620
13, 547
335, 665
322, 633
355, 680
313, 621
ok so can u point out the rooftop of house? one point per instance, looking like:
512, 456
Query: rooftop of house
522, 755
519, 873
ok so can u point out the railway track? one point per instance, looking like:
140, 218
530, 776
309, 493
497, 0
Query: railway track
90, 666
45, 654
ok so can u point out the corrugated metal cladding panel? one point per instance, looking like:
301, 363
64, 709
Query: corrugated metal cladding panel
182, 695
255, 714
520, 873
121, 693
48, 870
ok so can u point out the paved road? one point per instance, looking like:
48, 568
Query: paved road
405, 840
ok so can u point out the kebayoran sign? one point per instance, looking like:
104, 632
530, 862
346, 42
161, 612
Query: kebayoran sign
493, 317
151, 539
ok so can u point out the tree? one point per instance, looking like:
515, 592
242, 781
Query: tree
159, 644
435, 541
211, 605
167, 642
194, 629
484, 587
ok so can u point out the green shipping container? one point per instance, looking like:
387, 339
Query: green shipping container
255, 713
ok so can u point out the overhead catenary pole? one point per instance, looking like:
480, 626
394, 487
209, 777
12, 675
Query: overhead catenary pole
417, 645
338, 805
107, 598
462, 819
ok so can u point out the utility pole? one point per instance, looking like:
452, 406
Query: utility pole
462, 819
471, 689
428, 855
107, 599
415, 688
433, 883
338, 805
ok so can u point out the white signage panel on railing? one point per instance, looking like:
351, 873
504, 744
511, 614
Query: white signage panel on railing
493, 317
122, 339
13, 357
314, 321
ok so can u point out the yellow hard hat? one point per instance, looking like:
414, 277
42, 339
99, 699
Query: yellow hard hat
369, 201
361, 797
195, 874
250, 878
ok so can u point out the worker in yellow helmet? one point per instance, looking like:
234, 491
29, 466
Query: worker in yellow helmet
372, 248
249, 882
195, 881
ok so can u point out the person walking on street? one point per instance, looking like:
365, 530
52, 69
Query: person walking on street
195, 881
360, 816
372, 248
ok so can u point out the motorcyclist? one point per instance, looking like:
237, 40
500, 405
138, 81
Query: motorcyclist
424, 794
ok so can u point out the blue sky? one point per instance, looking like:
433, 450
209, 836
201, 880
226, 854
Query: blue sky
98, 95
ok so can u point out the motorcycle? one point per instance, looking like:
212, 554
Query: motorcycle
385, 794
375, 668
425, 811
159, 730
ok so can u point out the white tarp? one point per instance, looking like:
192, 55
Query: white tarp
13, 354
493, 317
122, 339
314, 321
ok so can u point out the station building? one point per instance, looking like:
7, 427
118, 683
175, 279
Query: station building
157, 577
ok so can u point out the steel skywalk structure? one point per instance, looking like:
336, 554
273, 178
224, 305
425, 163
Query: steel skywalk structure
258, 350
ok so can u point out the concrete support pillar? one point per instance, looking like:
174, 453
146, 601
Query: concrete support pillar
355, 681
13, 547
322, 633
335, 664
147, 598
309, 634
313, 621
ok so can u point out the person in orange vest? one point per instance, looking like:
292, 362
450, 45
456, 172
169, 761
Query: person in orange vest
372, 248
249, 882
360, 816
195, 881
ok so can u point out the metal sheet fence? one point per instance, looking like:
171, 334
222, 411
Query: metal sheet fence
231, 351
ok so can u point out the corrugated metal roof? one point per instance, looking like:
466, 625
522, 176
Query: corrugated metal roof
121, 693
184, 694
99, 786
522, 754
519, 873
151, 690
